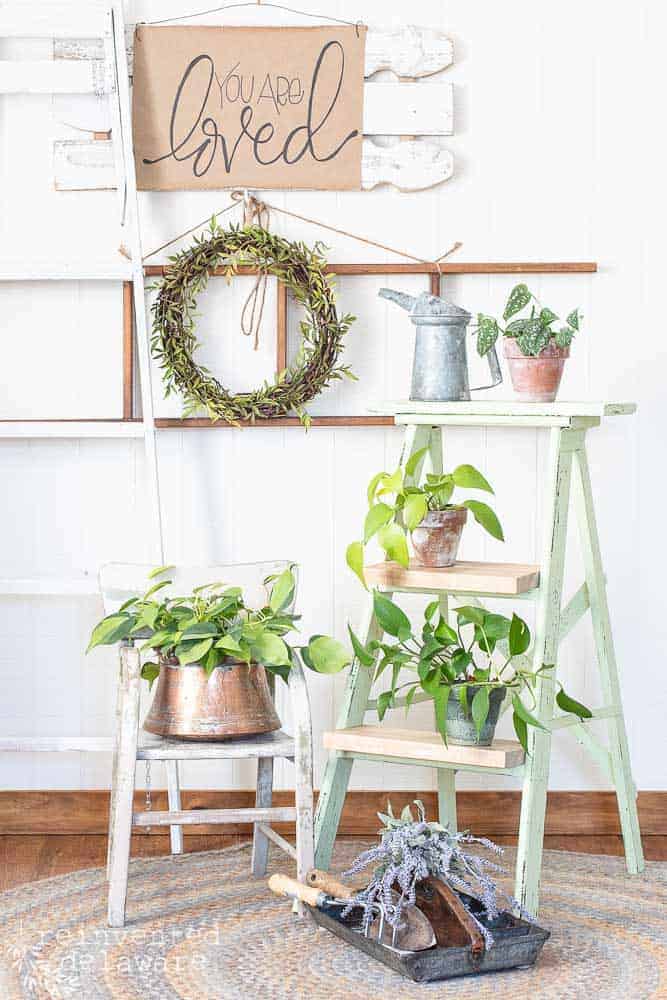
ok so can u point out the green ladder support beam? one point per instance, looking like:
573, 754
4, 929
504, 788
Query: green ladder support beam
566, 425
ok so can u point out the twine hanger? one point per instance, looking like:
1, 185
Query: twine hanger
257, 213
259, 3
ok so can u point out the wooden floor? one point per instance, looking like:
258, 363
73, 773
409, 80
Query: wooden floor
28, 858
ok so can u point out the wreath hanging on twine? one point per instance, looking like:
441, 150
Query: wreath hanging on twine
174, 341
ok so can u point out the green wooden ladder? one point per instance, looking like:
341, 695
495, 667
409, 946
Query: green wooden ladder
567, 424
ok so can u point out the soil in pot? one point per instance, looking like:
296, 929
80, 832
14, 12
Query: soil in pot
234, 701
535, 379
461, 728
436, 539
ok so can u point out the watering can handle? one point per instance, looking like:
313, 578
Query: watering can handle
494, 368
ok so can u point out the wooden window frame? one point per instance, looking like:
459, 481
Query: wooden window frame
434, 272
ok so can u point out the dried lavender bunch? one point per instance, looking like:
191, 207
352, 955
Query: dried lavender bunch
410, 850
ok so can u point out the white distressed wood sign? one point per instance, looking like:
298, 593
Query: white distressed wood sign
417, 112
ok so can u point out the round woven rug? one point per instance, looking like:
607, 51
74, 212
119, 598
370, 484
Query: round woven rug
201, 928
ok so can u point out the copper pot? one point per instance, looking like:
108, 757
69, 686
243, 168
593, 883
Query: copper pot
234, 701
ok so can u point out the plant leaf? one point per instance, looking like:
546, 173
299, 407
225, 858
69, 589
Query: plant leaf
414, 460
470, 614
392, 540
365, 658
229, 645
547, 317
519, 636
564, 336
160, 569
487, 333
440, 701
519, 297
573, 319
269, 648
480, 708
383, 703
194, 652
149, 672
468, 477
486, 517
390, 617
377, 517
521, 710
327, 655
569, 704
282, 591
110, 630
521, 730
415, 510
354, 557
200, 630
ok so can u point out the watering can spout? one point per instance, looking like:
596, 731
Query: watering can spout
400, 298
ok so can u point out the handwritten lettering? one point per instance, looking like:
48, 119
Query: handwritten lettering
203, 141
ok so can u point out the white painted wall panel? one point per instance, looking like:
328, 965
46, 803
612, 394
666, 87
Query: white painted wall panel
543, 172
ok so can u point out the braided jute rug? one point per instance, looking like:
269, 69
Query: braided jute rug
201, 928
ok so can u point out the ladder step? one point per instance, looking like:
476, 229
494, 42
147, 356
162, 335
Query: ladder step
409, 744
507, 579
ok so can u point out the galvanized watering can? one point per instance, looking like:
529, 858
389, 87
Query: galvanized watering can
440, 366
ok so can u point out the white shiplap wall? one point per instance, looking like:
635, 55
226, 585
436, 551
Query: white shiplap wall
558, 152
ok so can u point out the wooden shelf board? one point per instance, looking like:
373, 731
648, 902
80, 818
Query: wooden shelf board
385, 742
473, 577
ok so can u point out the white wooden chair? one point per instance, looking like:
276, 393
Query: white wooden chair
117, 583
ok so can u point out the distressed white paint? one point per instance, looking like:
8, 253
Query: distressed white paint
88, 165
409, 51
235, 495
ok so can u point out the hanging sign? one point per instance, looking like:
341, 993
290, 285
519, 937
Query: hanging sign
219, 107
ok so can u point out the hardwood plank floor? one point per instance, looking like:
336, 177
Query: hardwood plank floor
29, 858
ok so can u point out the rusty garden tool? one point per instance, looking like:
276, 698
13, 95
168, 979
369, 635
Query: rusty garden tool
413, 934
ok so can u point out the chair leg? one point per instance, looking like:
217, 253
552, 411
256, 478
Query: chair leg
120, 824
263, 798
174, 798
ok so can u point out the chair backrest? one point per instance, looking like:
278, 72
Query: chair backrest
119, 581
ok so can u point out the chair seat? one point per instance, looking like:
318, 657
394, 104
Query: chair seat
408, 744
276, 744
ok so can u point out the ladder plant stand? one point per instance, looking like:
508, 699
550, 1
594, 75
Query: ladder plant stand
567, 424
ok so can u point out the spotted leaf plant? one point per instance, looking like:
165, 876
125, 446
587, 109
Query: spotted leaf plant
213, 627
396, 506
533, 330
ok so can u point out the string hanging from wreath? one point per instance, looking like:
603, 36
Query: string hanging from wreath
174, 340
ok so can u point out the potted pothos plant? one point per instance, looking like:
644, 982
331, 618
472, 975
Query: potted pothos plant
468, 670
535, 350
397, 507
211, 654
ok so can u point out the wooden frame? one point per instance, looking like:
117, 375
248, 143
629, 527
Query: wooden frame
433, 271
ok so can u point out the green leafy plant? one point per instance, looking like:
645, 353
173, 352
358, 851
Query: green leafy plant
448, 661
396, 506
212, 626
532, 331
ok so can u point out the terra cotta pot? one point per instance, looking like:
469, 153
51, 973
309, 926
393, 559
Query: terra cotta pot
436, 539
535, 379
461, 728
234, 701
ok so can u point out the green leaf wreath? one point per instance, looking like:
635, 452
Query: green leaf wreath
174, 342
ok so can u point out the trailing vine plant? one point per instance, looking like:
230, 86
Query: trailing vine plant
174, 339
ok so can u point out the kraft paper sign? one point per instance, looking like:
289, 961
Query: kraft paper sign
219, 107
